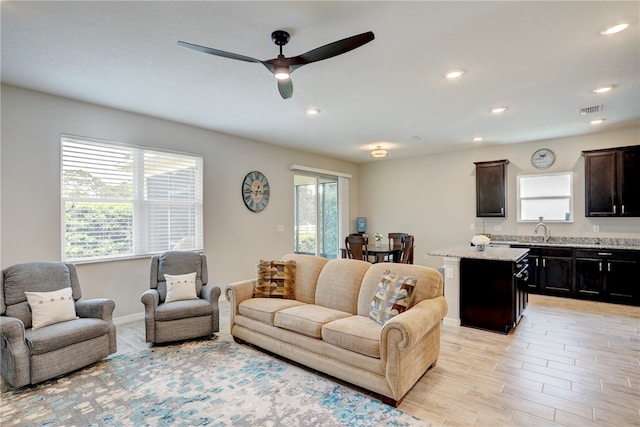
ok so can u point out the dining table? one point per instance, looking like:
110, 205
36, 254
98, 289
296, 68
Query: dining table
380, 253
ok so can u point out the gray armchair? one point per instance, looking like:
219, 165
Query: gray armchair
184, 319
30, 356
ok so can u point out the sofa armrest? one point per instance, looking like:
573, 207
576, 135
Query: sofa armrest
235, 294
98, 308
16, 359
416, 322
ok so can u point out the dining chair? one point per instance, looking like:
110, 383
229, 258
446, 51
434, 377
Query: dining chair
356, 247
396, 240
406, 255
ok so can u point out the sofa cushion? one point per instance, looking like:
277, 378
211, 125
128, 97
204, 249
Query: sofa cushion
308, 268
394, 295
59, 335
52, 307
339, 284
181, 287
264, 309
276, 279
307, 319
182, 309
356, 333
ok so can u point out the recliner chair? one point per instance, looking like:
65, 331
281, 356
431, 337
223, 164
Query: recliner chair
183, 319
29, 355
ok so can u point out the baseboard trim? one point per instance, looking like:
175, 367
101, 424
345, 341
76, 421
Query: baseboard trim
129, 318
449, 321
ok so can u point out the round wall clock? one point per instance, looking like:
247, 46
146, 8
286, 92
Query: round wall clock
543, 158
255, 191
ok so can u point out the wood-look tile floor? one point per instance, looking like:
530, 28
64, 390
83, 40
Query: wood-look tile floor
568, 363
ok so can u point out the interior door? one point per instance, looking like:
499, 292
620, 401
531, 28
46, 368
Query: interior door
316, 215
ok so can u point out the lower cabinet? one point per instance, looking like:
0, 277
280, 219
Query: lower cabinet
608, 275
601, 275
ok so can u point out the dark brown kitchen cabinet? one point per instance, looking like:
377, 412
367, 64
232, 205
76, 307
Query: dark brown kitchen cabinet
550, 270
612, 182
491, 188
608, 275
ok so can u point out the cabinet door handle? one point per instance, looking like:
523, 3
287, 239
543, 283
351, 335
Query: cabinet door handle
537, 261
622, 210
609, 267
600, 266
501, 211
604, 253
614, 209
544, 262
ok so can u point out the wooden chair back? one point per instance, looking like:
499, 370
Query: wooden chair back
396, 241
406, 256
356, 247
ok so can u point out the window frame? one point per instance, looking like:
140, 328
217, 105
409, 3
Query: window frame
570, 198
141, 201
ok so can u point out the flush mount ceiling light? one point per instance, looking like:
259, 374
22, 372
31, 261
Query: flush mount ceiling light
379, 152
613, 29
477, 138
454, 74
313, 112
498, 110
597, 121
602, 89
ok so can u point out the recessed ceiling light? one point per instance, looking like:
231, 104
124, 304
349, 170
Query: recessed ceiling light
313, 112
498, 110
477, 138
597, 121
613, 29
603, 89
454, 74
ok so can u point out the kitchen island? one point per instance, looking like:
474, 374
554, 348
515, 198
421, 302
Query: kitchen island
485, 275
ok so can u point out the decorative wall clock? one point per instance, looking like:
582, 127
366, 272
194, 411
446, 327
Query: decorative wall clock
255, 191
543, 158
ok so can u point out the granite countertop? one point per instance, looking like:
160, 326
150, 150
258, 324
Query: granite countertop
569, 242
490, 253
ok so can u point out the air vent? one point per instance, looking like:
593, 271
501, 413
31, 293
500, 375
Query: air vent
590, 110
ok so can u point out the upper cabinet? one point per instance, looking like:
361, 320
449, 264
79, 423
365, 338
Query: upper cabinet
491, 188
612, 182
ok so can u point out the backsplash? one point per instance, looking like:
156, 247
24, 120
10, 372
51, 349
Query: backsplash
578, 241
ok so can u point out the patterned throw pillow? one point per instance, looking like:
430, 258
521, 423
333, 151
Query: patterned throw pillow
394, 295
276, 279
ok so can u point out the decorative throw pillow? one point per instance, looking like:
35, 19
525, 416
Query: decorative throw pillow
52, 307
394, 295
276, 279
180, 287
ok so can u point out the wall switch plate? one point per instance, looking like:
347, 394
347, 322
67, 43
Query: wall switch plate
497, 227
596, 228
280, 228
449, 272
472, 227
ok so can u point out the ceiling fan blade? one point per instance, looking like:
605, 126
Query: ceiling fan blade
218, 52
330, 50
285, 87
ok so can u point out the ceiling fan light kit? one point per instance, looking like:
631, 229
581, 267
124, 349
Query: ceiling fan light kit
379, 152
282, 67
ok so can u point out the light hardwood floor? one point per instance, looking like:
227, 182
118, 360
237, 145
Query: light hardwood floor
569, 363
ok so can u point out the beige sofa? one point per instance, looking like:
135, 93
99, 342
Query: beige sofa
327, 327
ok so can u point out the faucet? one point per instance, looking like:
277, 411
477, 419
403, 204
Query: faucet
547, 234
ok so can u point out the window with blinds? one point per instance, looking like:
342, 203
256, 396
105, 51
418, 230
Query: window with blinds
122, 200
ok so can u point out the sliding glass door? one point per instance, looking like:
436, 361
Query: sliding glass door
316, 215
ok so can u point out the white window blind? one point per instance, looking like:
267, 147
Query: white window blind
122, 200
549, 196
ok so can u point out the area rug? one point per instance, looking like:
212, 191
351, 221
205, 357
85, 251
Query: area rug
208, 382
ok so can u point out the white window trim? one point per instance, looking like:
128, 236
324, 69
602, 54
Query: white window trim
570, 197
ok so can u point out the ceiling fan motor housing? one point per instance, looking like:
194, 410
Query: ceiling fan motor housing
280, 37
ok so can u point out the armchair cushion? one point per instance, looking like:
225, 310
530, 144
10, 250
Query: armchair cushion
181, 287
183, 309
64, 334
52, 307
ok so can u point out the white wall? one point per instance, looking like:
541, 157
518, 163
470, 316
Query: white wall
433, 197
235, 238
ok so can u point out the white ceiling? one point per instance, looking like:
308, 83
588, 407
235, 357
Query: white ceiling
541, 59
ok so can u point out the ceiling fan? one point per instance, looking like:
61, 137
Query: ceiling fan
282, 67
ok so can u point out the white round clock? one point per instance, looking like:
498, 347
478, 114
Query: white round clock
543, 158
